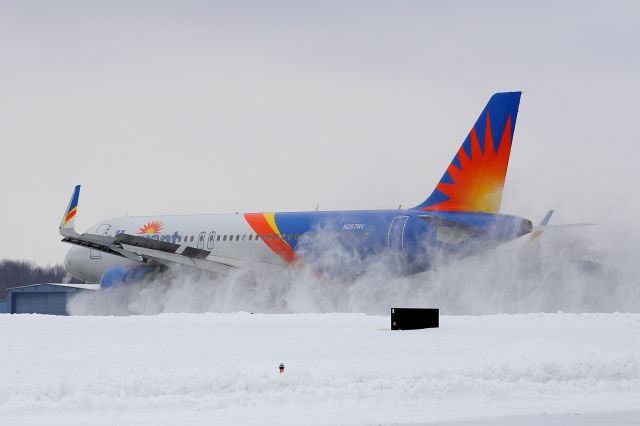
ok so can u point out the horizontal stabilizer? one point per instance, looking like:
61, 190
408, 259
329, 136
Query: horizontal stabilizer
562, 226
545, 221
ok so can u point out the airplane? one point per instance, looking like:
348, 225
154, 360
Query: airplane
460, 218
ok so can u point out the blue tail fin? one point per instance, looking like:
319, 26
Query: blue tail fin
475, 178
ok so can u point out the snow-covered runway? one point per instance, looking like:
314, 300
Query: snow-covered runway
340, 369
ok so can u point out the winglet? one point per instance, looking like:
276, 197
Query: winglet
67, 225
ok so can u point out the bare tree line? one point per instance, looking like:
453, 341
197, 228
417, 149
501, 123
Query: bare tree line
15, 273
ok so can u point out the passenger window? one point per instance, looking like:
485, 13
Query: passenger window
191, 239
224, 238
250, 237
218, 238
237, 237
275, 237
244, 237
269, 236
297, 236
264, 236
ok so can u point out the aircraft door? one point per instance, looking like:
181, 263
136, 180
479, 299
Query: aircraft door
201, 240
210, 240
396, 234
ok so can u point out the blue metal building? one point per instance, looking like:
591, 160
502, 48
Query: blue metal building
46, 298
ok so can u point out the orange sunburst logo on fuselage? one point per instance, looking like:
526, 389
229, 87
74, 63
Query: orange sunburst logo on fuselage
478, 183
153, 227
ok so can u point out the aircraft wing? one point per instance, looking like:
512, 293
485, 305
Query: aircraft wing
142, 249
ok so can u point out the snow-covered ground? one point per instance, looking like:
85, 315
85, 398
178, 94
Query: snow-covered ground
340, 369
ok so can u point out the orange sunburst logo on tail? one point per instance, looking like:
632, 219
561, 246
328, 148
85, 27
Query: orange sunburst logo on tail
477, 184
153, 227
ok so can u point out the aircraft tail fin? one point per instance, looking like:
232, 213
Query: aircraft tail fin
475, 178
68, 222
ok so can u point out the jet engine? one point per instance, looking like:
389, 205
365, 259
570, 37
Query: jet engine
126, 275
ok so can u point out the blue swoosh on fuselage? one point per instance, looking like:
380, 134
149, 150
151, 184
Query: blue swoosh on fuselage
426, 237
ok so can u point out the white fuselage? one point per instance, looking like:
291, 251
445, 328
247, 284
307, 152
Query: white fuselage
225, 235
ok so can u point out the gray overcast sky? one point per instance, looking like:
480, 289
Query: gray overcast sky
203, 107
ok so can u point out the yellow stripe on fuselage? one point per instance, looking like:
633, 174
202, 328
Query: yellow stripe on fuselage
271, 220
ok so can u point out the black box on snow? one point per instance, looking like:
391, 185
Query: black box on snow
414, 318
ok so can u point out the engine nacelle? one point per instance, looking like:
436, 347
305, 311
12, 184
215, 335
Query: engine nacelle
126, 275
